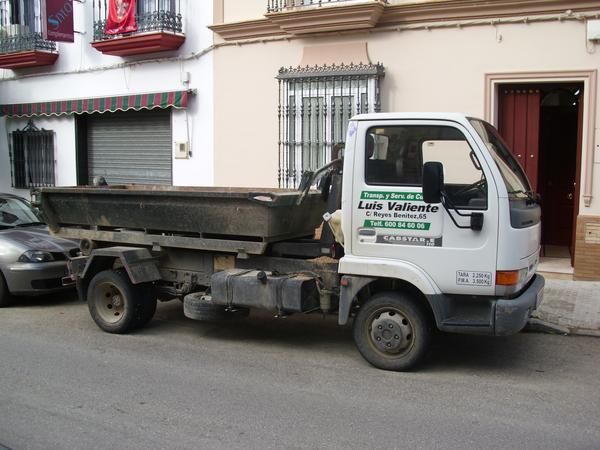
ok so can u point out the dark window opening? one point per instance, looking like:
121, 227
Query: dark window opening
32, 158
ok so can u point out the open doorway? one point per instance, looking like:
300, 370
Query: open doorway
542, 123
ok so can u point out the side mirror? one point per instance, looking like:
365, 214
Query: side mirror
433, 182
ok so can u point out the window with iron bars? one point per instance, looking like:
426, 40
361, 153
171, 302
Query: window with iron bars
32, 158
315, 105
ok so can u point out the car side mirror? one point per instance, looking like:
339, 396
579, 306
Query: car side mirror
433, 182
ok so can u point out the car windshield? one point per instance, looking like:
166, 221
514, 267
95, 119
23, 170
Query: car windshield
15, 212
515, 179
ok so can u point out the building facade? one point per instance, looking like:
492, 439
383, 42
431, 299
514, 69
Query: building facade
129, 105
255, 92
289, 73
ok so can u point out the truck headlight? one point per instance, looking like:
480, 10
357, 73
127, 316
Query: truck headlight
35, 256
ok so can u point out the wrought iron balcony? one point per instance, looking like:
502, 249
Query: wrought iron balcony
21, 45
158, 27
321, 16
289, 5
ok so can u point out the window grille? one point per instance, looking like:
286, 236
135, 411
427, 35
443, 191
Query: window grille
315, 105
32, 158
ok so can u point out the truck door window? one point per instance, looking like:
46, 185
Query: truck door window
394, 156
464, 181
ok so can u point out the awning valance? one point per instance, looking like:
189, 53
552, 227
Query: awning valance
175, 99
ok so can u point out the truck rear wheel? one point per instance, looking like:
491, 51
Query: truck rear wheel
392, 331
116, 305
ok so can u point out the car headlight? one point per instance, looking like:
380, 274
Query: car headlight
35, 256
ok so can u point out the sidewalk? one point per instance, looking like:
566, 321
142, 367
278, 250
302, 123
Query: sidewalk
570, 307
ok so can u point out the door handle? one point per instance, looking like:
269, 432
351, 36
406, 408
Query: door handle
367, 232
570, 196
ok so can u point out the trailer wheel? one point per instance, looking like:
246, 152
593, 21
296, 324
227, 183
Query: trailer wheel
392, 331
116, 305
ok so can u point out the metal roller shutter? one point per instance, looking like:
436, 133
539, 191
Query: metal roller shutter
130, 147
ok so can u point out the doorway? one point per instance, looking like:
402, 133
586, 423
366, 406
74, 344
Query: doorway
542, 123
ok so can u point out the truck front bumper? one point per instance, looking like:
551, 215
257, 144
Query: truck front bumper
511, 315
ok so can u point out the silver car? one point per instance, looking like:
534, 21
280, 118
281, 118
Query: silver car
32, 262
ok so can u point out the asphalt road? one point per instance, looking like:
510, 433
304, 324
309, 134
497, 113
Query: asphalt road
281, 383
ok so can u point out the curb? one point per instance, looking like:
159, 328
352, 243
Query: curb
542, 326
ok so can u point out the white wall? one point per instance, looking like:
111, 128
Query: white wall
83, 72
244, 10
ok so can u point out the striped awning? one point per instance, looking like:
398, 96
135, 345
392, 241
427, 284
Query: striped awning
174, 99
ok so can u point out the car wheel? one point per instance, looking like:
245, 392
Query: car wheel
5, 297
392, 331
115, 304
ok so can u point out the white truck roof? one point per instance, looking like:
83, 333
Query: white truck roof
459, 117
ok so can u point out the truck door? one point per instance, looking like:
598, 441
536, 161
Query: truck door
391, 223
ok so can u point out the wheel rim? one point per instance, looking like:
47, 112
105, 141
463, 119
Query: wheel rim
109, 302
391, 333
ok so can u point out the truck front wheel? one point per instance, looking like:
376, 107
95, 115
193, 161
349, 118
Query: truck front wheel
116, 305
392, 331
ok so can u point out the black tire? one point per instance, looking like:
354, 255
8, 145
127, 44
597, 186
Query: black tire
392, 331
149, 304
198, 306
5, 297
116, 305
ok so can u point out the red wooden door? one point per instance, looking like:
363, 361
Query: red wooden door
519, 125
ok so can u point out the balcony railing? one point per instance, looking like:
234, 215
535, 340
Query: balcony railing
158, 16
23, 40
288, 5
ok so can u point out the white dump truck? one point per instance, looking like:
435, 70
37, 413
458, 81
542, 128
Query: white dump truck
429, 223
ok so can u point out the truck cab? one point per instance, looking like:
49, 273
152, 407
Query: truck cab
437, 207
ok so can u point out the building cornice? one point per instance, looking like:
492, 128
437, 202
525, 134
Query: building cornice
449, 10
371, 14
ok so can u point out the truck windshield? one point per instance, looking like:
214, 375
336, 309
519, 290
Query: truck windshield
516, 181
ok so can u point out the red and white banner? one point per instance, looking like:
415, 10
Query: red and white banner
121, 17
